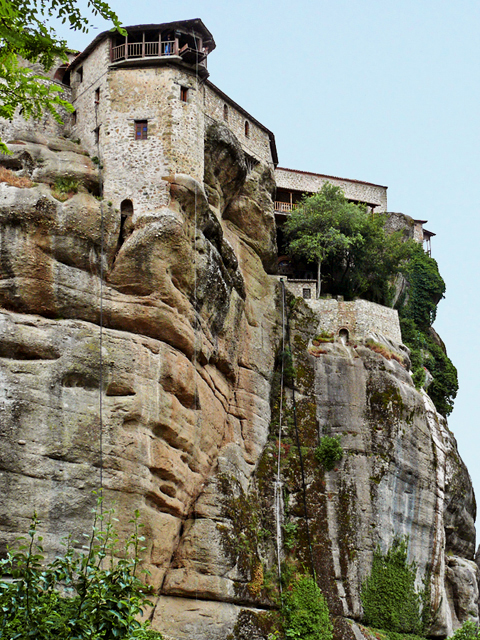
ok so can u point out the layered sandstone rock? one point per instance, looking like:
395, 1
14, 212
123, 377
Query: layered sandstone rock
169, 403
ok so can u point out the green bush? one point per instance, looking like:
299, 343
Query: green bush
389, 597
417, 314
66, 185
94, 594
468, 631
307, 615
329, 451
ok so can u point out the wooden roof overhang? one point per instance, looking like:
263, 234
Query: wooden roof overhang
188, 27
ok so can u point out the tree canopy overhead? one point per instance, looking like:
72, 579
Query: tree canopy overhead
24, 34
349, 244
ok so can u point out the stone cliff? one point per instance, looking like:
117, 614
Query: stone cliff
144, 354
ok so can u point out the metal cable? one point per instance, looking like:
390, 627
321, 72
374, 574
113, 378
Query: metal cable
102, 242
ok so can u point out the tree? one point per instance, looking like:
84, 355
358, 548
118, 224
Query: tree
361, 259
313, 229
94, 593
25, 36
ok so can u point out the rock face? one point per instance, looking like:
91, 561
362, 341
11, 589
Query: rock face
144, 355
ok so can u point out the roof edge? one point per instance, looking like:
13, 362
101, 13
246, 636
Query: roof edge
235, 105
322, 175
139, 27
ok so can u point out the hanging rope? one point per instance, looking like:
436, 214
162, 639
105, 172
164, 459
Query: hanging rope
102, 242
196, 318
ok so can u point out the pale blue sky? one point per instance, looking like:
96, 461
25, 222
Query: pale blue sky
385, 91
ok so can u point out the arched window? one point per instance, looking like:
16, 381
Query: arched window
126, 215
247, 129
126, 208
343, 335
225, 112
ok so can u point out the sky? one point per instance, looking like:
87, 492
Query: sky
385, 91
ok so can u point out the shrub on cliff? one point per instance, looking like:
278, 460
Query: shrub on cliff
417, 311
389, 597
468, 631
306, 611
350, 245
329, 451
93, 594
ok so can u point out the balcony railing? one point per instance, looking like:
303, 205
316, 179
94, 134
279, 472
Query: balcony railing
285, 207
143, 50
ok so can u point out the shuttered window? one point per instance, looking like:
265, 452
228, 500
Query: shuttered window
141, 129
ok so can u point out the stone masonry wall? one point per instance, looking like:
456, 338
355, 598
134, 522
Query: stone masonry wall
297, 287
258, 142
353, 190
135, 169
44, 126
359, 317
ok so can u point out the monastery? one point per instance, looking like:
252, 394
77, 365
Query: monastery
142, 106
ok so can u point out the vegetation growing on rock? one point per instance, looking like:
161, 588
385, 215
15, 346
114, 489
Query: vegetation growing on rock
329, 451
307, 615
389, 597
350, 246
87, 594
417, 312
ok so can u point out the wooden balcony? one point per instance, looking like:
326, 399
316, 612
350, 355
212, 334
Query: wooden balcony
285, 207
144, 50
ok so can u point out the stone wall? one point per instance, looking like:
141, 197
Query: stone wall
373, 194
306, 289
401, 222
135, 169
44, 126
359, 317
257, 144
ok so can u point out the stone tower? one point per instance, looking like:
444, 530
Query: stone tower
139, 107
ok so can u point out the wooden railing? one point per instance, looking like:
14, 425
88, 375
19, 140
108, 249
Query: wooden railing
142, 50
284, 207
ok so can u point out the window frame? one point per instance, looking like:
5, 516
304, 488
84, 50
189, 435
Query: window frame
184, 94
141, 126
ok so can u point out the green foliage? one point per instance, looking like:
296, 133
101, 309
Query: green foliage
66, 185
357, 256
288, 368
306, 611
322, 337
289, 533
329, 451
389, 597
24, 34
425, 289
93, 594
468, 631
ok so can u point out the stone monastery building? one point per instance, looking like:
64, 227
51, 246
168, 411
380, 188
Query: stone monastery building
142, 105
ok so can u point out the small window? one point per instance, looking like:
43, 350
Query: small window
307, 294
74, 118
184, 94
97, 96
80, 74
225, 112
97, 135
141, 129
247, 129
